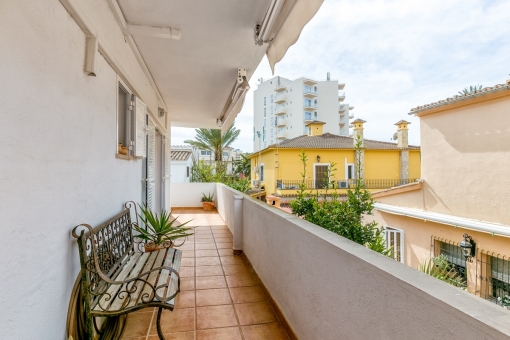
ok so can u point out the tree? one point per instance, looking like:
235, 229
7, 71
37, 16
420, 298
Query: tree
470, 90
243, 166
212, 139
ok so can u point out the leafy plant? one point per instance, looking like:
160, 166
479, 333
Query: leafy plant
241, 184
441, 269
207, 198
505, 301
470, 90
214, 140
343, 217
243, 166
160, 228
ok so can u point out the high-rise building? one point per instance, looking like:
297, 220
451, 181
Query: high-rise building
283, 108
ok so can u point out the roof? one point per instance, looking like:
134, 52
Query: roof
315, 122
358, 121
461, 97
331, 141
180, 155
402, 122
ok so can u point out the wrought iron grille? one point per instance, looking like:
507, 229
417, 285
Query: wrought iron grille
453, 253
284, 184
493, 277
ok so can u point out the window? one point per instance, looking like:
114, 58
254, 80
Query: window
315, 103
321, 175
131, 123
395, 239
264, 112
205, 153
271, 99
225, 154
262, 171
264, 101
349, 171
493, 278
272, 110
308, 115
315, 89
308, 102
315, 115
453, 254
123, 133
187, 171
309, 131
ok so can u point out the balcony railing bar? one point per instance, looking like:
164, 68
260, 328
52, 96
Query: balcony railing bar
284, 184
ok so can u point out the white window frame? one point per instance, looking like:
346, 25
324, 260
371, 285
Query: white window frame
347, 165
397, 233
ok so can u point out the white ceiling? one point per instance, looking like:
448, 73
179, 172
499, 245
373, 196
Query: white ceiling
196, 74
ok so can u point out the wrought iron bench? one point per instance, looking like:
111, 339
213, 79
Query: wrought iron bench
117, 277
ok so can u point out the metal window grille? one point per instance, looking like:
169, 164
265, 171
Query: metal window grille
453, 253
493, 277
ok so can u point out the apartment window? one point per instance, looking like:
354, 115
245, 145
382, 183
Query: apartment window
453, 254
271, 99
187, 172
264, 101
131, 123
262, 172
395, 239
264, 112
309, 131
315, 103
315, 89
225, 155
205, 153
349, 171
272, 110
493, 278
308, 115
315, 115
122, 117
308, 102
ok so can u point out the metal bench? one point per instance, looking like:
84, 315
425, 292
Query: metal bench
117, 277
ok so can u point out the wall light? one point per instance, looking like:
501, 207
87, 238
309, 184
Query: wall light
468, 247
318, 158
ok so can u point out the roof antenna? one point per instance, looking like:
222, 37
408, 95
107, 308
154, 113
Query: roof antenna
328, 76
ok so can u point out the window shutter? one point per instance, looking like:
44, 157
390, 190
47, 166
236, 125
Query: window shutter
151, 162
140, 128
166, 176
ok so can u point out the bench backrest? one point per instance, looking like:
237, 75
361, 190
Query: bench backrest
106, 247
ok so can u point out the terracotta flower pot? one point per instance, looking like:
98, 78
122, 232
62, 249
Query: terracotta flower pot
208, 206
151, 246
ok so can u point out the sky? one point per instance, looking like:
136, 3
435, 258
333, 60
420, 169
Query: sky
392, 56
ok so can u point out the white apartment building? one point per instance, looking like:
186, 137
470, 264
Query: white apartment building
230, 155
283, 108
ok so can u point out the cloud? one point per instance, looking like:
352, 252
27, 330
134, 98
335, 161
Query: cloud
393, 56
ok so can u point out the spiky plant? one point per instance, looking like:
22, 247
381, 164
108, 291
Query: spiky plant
470, 90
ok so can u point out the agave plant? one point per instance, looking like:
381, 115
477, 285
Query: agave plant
470, 90
441, 269
161, 229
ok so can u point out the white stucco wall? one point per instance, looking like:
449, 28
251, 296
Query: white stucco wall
331, 288
179, 171
190, 194
57, 158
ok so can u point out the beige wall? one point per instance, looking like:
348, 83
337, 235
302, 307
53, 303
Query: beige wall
466, 160
331, 288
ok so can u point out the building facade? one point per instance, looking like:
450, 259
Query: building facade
229, 156
465, 144
283, 107
332, 159
181, 163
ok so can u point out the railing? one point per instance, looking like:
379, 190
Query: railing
284, 184
309, 91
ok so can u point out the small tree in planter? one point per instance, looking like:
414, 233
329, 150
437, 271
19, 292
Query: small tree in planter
161, 230
208, 202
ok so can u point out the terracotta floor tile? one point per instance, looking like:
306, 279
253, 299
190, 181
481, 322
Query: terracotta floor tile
221, 234
178, 320
241, 280
222, 240
219, 227
137, 324
188, 253
225, 252
247, 294
210, 282
188, 262
204, 241
186, 246
229, 245
231, 333
208, 261
175, 336
255, 312
206, 252
234, 269
213, 297
145, 310
186, 299
273, 331
231, 260
187, 272
216, 317
187, 283
209, 270
203, 246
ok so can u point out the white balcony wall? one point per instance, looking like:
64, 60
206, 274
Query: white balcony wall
190, 194
58, 167
331, 288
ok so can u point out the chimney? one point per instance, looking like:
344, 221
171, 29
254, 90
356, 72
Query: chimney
315, 128
403, 144
328, 77
359, 157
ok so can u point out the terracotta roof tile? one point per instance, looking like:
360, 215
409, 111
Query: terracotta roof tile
180, 155
331, 141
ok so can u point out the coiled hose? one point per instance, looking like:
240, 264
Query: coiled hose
76, 326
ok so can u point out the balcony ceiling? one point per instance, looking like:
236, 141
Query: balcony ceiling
196, 73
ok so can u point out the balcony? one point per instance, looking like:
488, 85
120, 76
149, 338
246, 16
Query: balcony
310, 106
309, 93
369, 183
307, 81
280, 110
341, 86
342, 108
281, 87
280, 98
351, 116
281, 122
281, 135
341, 96
351, 107
283, 257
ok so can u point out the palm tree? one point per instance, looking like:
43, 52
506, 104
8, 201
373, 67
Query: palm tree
243, 165
470, 90
212, 139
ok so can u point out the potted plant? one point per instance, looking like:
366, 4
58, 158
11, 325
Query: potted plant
161, 231
208, 202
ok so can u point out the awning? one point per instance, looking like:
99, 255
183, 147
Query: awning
293, 17
455, 221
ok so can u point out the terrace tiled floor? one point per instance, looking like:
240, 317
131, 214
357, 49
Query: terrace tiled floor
220, 299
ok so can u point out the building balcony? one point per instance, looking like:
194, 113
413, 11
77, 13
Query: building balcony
341, 97
281, 122
280, 110
309, 93
281, 135
310, 107
341, 86
342, 108
280, 98
351, 126
342, 124
281, 87
351, 107
253, 295
307, 81
344, 184
351, 116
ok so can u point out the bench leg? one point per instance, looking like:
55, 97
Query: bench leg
158, 324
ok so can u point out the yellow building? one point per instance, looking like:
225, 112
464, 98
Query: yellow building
278, 168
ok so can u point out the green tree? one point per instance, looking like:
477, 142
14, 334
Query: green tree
471, 89
212, 139
243, 166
